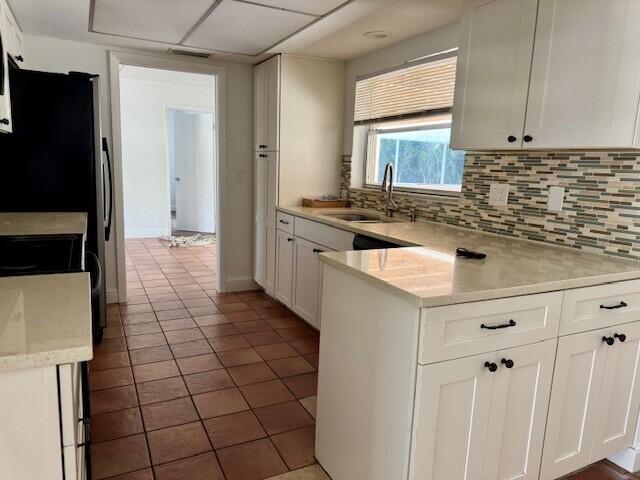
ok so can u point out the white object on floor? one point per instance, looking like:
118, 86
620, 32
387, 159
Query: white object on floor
197, 240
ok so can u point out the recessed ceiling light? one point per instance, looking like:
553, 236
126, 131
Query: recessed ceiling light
377, 34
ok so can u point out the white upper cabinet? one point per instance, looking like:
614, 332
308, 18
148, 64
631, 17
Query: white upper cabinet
578, 81
11, 34
267, 101
493, 74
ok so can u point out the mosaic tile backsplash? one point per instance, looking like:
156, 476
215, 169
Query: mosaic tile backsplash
601, 204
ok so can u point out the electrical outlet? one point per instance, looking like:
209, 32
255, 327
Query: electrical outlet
556, 199
499, 194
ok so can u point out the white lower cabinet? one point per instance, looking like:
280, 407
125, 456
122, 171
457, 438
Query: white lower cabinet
483, 416
307, 275
595, 398
284, 266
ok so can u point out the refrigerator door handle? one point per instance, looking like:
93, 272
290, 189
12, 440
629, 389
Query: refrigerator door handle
109, 219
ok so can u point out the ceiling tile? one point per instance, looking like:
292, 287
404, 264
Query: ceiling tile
160, 20
245, 28
315, 7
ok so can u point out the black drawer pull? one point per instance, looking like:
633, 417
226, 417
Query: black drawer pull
621, 336
19, 58
289, 239
512, 323
262, 146
262, 155
527, 138
608, 340
284, 222
613, 307
4, 121
317, 250
491, 366
511, 139
507, 362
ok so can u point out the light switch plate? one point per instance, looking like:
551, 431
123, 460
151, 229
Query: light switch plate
556, 199
499, 194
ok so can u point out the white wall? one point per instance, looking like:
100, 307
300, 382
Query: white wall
50, 54
145, 159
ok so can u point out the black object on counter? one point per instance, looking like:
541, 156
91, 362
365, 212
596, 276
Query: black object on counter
463, 252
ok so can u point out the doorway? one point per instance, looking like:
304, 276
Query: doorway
190, 149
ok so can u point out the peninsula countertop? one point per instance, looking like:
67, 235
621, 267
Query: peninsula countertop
43, 223
45, 320
432, 275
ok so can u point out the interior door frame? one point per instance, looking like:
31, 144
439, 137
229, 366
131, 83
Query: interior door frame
117, 59
187, 108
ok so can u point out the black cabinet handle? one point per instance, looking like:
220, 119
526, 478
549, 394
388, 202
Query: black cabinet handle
4, 121
492, 367
527, 138
262, 155
507, 362
289, 239
511, 323
511, 139
621, 336
19, 58
262, 146
608, 340
317, 250
614, 307
284, 222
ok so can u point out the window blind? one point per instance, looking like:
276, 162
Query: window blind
412, 91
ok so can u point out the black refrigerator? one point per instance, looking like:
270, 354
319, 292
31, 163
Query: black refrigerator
57, 161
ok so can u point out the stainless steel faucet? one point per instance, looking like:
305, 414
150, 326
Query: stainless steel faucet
391, 205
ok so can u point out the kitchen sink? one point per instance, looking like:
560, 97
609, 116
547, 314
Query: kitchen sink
359, 217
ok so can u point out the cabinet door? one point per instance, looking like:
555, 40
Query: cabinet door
266, 194
620, 398
284, 266
453, 403
267, 102
577, 382
5, 97
585, 74
494, 62
306, 280
519, 411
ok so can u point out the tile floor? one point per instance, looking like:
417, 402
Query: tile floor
192, 384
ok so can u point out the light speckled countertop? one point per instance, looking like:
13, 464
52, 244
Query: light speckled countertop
432, 275
43, 223
45, 320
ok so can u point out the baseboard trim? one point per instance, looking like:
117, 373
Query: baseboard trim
238, 285
629, 459
112, 295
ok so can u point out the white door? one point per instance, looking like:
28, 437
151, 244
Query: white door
306, 280
519, 412
492, 78
194, 172
577, 383
267, 100
585, 74
453, 404
620, 398
284, 266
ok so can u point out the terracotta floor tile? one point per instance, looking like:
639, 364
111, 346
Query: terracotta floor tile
184, 336
242, 316
313, 359
155, 371
174, 443
168, 414
178, 324
130, 319
266, 393
146, 474
276, 351
163, 297
172, 314
220, 402
296, 333
204, 310
154, 290
200, 363
263, 338
192, 294
233, 429
287, 367
146, 341
272, 312
150, 355
283, 417
141, 328
119, 456
113, 399
167, 305
191, 349
114, 377
208, 381
302, 386
310, 404
234, 358
297, 447
223, 298
307, 345
251, 461
262, 303
113, 331
313, 472
230, 342
142, 308
109, 426
161, 390
599, 471
109, 360
210, 320
110, 345
234, 307
253, 373
215, 331
283, 322
197, 302
253, 326
201, 467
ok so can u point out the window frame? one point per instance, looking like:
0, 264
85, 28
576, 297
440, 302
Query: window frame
369, 160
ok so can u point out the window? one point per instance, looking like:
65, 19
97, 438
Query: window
407, 116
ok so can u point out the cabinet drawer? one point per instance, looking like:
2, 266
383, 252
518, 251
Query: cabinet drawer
316, 232
591, 308
456, 331
284, 222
